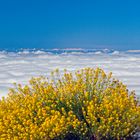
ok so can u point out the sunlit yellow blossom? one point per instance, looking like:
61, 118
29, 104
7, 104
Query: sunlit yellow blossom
86, 103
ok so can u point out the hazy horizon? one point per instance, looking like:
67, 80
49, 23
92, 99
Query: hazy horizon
29, 28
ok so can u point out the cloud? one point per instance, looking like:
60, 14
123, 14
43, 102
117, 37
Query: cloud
21, 66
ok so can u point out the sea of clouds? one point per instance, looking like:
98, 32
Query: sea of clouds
20, 66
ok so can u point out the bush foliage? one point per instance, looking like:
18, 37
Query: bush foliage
87, 104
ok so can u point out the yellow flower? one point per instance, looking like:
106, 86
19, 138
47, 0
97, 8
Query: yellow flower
88, 102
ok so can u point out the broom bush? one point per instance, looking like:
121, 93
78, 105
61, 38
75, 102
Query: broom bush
86, 105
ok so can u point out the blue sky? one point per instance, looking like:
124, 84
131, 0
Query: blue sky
70, 24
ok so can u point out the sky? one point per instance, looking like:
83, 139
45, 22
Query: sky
48, 24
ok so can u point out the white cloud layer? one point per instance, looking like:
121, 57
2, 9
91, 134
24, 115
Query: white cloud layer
19, 67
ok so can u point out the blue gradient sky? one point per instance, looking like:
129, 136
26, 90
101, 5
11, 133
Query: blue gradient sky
70, 24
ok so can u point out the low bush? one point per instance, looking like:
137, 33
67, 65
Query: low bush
86, 105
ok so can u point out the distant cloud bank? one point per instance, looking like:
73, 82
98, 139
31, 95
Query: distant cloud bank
20, 66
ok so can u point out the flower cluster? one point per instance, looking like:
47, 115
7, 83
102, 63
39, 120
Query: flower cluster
88, 103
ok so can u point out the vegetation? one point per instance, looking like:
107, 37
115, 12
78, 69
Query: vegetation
86, 105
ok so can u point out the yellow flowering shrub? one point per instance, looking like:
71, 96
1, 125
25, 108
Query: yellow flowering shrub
89, 104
